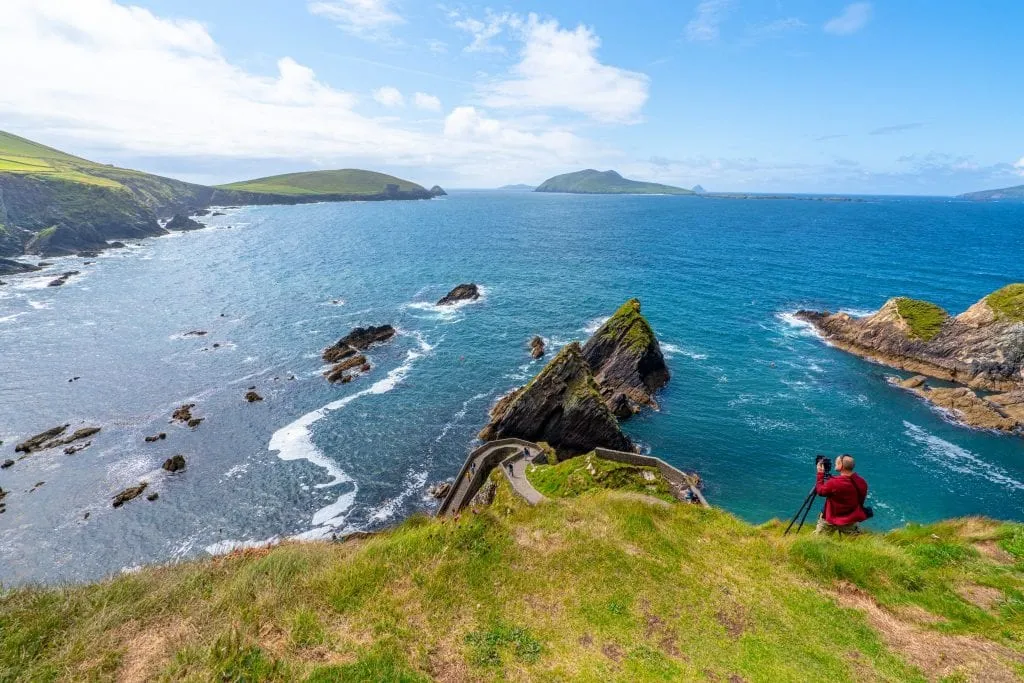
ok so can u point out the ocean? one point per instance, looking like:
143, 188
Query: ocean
754, 394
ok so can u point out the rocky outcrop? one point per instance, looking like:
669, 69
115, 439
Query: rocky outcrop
967, 407
626, 360
62, 280
982, 347
156, 437
252, 397
466, 292
346, 357
537, 347
562, 406
181, 223
174, 464
129, 494
9, 267
437, 191
35, 443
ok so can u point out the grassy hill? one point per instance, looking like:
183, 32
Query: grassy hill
1007, 193
604, 182
602, 586
56, 203
348, 181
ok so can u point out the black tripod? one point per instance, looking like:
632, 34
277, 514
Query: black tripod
805, 509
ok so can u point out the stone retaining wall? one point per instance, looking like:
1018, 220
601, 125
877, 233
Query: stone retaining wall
680, 480
500, 449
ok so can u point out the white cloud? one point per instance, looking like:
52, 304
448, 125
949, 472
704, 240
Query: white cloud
112, 81
438, 47
1019, 166
483, 30
559, 69
853, 18
428, 102
370, 19
389, 96
777, 27
703, 28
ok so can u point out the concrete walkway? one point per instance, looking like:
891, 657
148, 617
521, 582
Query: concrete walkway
517, 478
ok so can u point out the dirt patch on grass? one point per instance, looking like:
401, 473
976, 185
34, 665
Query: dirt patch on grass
147, 648
992, 551
733, 619
538, 540
985, 597
613, 652
657, 631
938, 655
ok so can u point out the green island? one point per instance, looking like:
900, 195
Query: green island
348, 181
924, 318
588, 473
1015, 193
597, 587
590, 181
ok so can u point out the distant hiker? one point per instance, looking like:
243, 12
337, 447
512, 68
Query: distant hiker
844, 498
472, 468
526, 453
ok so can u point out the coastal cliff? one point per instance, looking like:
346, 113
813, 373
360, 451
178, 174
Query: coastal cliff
981, 349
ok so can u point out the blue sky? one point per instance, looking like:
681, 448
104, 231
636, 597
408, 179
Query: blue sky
915, 96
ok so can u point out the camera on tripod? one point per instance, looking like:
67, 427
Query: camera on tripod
825, 461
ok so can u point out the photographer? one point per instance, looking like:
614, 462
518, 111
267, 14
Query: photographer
844, 498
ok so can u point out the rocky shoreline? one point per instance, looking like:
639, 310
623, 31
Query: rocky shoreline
981, 350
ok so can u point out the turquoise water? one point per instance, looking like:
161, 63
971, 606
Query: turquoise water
753, 396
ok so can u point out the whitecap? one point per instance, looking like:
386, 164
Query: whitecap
959, 459
295, 441
447, 313
802, 328
459, 415
229, 546
671, 350
40, 305
386, 510
12, 317
594, 324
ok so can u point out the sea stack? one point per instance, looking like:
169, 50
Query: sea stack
346, 357
562, 406
626, 360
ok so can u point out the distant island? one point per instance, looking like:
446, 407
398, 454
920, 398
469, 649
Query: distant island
605, 182
54, 203
520, 187
697, 189
1015, 193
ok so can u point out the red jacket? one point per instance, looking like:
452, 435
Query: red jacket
844, 498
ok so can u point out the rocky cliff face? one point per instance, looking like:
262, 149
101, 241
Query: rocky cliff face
626, 360
982, 348
562, 406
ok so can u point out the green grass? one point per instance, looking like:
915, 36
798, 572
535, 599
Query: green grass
344, 181
605, 182
924, 318
587, 473
629, 325
1008, 302
600, 587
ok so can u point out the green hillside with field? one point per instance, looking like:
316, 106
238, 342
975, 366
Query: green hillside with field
348, 181
602, 585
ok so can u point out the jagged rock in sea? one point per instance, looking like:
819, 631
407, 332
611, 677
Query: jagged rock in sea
537, 347
466, 292
440, 489
183, 413
437, 191
62, 280
983, 347
156, 437
181, 222
252, 397
626, 360
129, 494
10, 267
35, 443
562, 406
174, 464
345, 354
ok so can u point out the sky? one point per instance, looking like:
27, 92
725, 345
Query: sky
820, 96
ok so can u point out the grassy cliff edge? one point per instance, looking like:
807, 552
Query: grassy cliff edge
601, 586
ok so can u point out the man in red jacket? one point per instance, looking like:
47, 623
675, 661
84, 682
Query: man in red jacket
844, 498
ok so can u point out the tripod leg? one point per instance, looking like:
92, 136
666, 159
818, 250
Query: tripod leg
801, 526
808, 502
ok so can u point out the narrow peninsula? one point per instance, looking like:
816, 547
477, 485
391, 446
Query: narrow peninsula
590, 181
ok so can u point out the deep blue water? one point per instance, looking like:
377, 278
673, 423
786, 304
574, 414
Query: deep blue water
752, 398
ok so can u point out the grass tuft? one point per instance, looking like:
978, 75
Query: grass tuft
1008, 302
924, 318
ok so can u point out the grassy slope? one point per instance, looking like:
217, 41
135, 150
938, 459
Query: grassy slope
576, 476
924, 318
345, 181
595, 588
1008, 302
606, 182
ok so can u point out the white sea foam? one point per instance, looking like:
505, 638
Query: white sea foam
295, 441
459, 415
594, 324
959, 459
450, 312
229, 546
414, 483
802, 328
12, 317
671, 351
40, 305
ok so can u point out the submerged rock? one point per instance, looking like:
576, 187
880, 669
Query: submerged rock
129, 494
252, 397
1003, 412
562, 406
153, 496
537, 347
466, 292
36, 442
6, 463
156, 437
174, 464
71, 450
183, 413
62, 280
195, 333
626, 359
